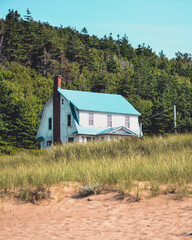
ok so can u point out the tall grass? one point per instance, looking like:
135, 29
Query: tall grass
157, 160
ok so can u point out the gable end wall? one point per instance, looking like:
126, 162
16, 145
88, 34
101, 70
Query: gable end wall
44, 130
67, 132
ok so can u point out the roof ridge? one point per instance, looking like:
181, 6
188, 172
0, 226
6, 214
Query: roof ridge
116, 94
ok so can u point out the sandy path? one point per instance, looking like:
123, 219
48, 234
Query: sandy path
97, 217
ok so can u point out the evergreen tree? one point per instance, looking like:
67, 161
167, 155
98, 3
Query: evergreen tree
28, 17
84, 30
32, 52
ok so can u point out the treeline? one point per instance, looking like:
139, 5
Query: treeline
31, 53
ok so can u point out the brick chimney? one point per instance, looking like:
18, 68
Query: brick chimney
56, 110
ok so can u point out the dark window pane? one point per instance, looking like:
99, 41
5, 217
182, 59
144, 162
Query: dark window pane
69, 120
50, 123
70, 140
49, 143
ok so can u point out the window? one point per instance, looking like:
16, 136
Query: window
69, 120
109, 121
50, 123
70, 140
62, 101
49, 143
90, 119
127, 122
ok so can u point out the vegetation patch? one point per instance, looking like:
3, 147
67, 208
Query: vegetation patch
157, 165
33, 52
33, 195
90, 189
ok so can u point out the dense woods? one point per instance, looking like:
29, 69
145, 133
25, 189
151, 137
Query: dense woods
31, 53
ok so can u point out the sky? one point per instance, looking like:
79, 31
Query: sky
162, 24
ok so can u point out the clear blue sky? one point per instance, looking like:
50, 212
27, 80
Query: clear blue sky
163, 24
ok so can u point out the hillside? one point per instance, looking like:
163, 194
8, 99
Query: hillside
31, 53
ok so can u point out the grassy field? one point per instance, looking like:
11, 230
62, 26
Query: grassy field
122, 164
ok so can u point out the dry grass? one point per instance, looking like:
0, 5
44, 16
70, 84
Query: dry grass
156, 160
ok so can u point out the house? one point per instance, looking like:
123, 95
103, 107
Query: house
78, 116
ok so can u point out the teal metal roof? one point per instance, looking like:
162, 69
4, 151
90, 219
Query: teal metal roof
40, 138
108, 130
88, 131
99, 102
118, 130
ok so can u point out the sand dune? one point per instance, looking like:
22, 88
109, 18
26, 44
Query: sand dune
96, 217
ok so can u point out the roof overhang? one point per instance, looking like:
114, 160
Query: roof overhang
120, 131
40, 139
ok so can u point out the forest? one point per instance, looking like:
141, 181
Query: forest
32, 53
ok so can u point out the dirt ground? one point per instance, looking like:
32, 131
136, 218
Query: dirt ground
104, 216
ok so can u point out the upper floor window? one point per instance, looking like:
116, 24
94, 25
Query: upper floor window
50, 123
90, 119
109, 121
62, 101
127, 122
69, 120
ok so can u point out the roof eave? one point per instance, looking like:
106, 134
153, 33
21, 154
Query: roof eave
123, 113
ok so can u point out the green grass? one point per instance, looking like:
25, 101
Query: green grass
156, 160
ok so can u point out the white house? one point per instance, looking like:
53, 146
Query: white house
77, 116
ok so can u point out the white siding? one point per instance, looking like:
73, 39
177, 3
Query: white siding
100, 120
44, 130
66, 132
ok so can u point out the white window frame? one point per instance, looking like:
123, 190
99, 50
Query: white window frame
109, 120
91, 119
127, 121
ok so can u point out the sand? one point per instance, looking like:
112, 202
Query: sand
102, 216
